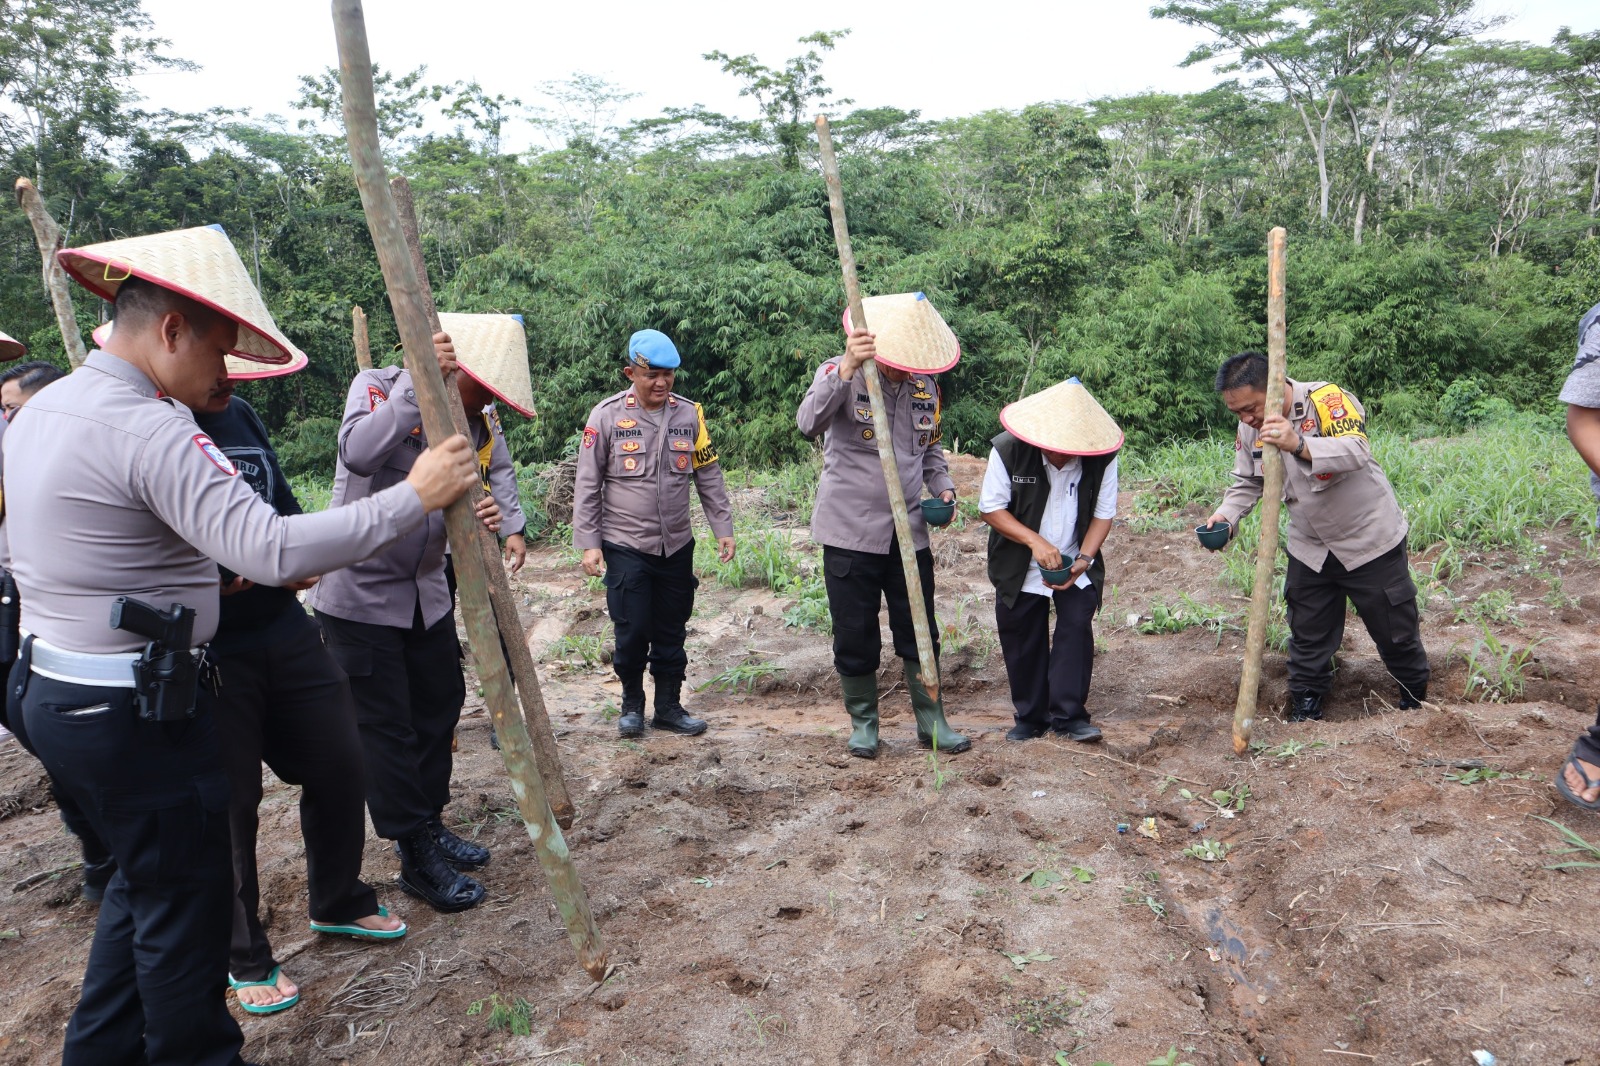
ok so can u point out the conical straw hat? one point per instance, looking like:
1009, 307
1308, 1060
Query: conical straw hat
493, 351
1063, 418
909, 333
199, 263
238, 369
11, 348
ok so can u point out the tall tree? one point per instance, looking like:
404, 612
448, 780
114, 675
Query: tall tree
788, 94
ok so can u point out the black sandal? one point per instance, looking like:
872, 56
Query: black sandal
1570, 796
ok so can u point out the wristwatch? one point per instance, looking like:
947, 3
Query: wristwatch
1088, 559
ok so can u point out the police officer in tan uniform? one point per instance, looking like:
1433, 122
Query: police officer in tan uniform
630, 516
119, 511
851, 519
1347, 534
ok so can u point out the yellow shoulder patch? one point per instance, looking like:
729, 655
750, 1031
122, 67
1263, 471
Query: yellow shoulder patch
704, 453
1336, 415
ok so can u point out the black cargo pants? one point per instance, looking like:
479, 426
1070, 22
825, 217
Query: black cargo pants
858, 583
1385, 596
650, 599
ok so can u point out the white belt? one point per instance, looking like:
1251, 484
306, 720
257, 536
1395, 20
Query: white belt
111, 670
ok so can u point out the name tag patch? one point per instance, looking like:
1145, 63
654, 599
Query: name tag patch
1016, 480
219, 459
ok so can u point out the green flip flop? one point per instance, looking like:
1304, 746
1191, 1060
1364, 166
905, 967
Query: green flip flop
263, 1008
361, 932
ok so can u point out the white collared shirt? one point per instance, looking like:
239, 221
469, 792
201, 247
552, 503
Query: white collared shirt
1060, 521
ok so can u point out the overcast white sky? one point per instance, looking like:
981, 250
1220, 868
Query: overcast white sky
943, 58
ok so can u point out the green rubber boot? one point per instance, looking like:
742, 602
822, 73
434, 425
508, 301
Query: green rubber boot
861, 700
930, 716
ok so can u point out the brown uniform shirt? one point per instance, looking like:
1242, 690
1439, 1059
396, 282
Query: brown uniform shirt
1339, 501
852, 508
634, 469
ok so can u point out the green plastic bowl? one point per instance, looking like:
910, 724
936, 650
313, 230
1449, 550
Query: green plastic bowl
1055, 577
938, 513
1214, 538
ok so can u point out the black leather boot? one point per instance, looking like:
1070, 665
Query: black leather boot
1412, 696
1305, 707
670, 714
462, 854
426, 874
631, 724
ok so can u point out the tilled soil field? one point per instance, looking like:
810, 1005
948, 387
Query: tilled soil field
1381, 890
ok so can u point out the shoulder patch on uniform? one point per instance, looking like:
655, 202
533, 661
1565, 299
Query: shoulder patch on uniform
705, 453
589, 435
376, 397
1336, 415
218, 457
829, 368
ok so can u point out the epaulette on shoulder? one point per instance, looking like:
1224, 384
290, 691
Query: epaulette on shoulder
615, 398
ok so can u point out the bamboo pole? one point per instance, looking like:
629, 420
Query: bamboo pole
48, 236
1255, 641
880, 416
355, 71
536, 720
358, 329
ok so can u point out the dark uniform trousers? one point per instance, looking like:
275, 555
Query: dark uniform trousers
95, 852
408, 690
154, 990
650, 599
1049, 682
858, 583
288, 704
1386, 599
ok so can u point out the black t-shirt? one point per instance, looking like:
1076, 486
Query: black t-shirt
238, 431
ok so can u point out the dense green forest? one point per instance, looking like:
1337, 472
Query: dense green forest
1441, 189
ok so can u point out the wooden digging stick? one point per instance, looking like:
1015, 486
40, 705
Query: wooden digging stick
1255, 641
880, 416
405, 295
48, 236
358, 329
523, 671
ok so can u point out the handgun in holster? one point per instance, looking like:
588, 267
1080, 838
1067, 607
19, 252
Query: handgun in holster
10, 621
167, 676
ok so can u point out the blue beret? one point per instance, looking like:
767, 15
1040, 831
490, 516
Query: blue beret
650, 349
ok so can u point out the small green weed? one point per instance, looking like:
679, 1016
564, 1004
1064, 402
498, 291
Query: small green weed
1289, 749
575, 648
610, 712
1208, 850
965, 627
1480, 774
1186, 613
1498, 672
1053, 1011
1025, 959
514, 1015
747, 675
1169, 1059
1492, 608
810, 609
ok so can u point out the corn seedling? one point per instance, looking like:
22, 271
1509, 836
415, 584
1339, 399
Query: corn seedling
747, 675
766, 1027
1208, 850
575, 648
1187, 613
1576, 845
1492, 608
1497, 672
